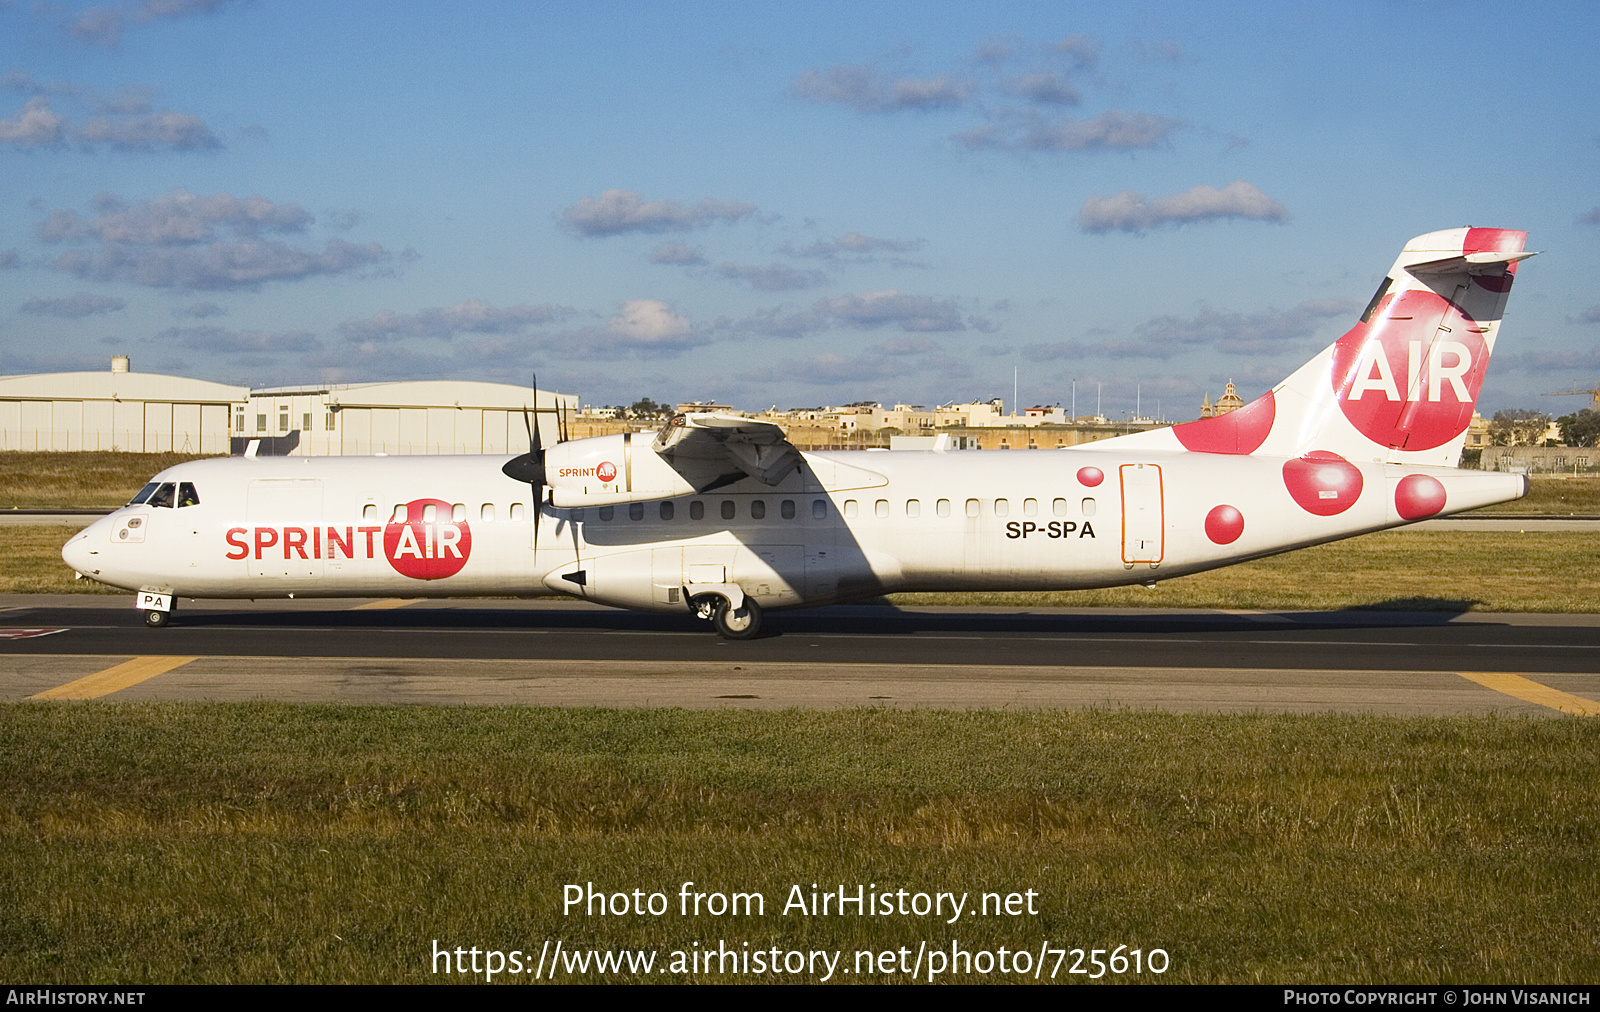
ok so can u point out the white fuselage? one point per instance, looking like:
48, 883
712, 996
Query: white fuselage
845, 525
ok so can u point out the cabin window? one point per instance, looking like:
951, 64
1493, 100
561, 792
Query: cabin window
849, 509
607, 512
636, 511
1088, 507
972, 507
369, 511
458, 512
398, 514
913, 508
144, 493
1002, 508
728, 509
516, 512
697, 510
758, 509
819, 509
1030, 507
1059, 507
430, 513
666, 510
187, 496
943, 507
486, 513
880, 509
786, 509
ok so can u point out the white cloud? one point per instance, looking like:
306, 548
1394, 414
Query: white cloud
648, 321
1113, 130
75, 306
618, 211
35, 126
871, 310
772, 277
853, 242
1044, 87
1134, 212
678, 253
103, 25
865, 89
443, 323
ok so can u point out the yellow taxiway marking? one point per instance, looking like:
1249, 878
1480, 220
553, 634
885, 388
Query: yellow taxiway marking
388, 602
1533, 692
114, 679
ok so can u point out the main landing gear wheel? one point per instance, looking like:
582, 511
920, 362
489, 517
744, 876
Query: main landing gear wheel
743, 623
157, 619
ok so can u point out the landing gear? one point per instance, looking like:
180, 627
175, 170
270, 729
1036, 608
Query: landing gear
157, 619
741, 623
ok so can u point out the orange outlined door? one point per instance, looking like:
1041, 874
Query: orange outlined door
1143, 515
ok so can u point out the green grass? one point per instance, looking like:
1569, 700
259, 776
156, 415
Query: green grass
1554, 495
264, 842
88, 480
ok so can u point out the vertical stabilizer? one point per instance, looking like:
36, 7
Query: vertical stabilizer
1400, 386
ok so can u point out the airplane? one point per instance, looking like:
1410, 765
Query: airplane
721, 517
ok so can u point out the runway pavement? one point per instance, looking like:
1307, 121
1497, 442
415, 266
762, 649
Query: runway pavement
567, 653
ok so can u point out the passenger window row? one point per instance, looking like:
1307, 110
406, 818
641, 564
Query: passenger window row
974, 508
728, 509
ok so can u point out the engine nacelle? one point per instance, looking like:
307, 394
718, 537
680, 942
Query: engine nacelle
603, 470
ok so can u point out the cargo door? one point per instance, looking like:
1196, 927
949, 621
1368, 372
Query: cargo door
1143, 515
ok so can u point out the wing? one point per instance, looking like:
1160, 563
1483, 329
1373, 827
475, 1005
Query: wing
712, 450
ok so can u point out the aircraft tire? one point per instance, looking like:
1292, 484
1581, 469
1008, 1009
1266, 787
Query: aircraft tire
743, 624
157, 619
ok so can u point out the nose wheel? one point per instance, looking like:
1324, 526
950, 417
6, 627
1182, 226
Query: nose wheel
157, 619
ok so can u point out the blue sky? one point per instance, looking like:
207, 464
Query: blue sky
788, 204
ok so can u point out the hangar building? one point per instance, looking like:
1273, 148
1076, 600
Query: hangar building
116, 410
427, 416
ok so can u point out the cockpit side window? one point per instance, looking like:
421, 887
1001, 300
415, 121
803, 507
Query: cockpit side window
187, 496
144, 493
162, 496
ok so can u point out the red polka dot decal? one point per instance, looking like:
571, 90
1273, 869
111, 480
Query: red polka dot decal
1417, 496
1323, 483
1089, 477
1409, 377
1241, 431
1224, 524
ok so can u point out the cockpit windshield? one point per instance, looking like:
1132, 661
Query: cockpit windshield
162, 496
144, 493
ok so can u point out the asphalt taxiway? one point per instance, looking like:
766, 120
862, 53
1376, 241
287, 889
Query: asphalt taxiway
568, 653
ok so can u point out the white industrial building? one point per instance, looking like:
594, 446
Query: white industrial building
426, 416
150, 413
116, 410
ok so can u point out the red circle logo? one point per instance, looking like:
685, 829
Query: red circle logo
606, 472
426, 550
1408, 379
1089, 477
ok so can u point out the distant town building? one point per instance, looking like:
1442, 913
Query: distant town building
1229, 401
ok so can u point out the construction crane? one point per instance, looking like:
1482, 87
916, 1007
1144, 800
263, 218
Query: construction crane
1593, 392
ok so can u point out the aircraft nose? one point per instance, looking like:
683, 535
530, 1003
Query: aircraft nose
79, 551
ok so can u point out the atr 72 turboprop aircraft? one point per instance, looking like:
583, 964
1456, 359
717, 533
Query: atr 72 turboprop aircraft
722, 517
